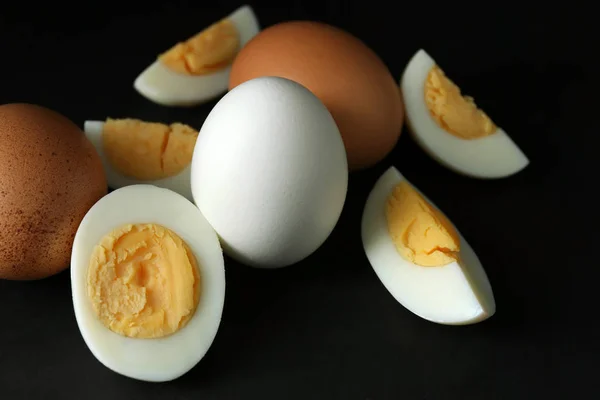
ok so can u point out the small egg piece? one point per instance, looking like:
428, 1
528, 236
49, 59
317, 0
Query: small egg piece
269, 172
197, 70
148, 283
450, 127
137, 152
420, 257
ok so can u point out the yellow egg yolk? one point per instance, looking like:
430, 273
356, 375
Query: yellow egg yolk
208, 51
143, 281
148, 150
421, 234
456, 114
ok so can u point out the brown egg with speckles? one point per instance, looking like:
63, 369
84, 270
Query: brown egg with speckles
342, 71
50, 176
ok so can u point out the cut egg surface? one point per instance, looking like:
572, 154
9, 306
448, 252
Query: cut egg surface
420, 258
148, 283
197, 70
451, 129
138, 152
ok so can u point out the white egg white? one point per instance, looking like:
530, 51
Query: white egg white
161, 359
179, 183
166, 87
493, 156
454, 294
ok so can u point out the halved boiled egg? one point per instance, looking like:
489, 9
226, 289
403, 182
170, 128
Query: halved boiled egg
137, 152
450, 127
197, 70
420, 257
148, 283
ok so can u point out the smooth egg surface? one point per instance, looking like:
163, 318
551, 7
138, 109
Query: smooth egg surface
50, 176
493, 156
169, 88
179, 183
269, 172
159, 359
348, 76
453, 294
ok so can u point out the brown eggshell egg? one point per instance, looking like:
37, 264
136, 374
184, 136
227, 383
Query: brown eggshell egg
345, 74
50, 176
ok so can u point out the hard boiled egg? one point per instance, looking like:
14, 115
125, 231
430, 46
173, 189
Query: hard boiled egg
148, 283
269, 172
197, 70
420, 257
450, 127
138, 152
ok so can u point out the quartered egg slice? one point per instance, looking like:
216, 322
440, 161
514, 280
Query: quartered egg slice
450, 127
137, 152
148, 283
420, 257
197, 70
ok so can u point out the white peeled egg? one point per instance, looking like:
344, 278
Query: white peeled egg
454, 294
161, 359
493, 156
166, 87
269, 172
179, 183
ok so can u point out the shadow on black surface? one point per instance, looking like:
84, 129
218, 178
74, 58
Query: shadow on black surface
253, 295
535, 120
42, 289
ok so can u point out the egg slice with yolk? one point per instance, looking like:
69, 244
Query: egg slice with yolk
451, 128
420, 257
138, 152
148, 283
197, 70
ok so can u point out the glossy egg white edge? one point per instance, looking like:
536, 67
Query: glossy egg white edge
163, 86
162, 359
179, 183
494, 156
452, 295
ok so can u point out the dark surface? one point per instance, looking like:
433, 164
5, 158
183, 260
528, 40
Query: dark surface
326, 328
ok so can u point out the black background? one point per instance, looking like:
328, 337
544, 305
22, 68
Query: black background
326, 328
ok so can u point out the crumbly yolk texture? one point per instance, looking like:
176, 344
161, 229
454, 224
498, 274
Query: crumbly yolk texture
208, 51
455, 113
421, 234
143, 281
148, 150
